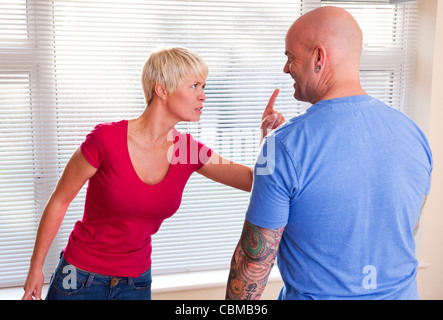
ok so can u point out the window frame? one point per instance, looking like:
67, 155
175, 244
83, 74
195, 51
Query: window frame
36, 58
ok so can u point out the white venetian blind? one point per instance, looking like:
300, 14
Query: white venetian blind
67, 65
389, 47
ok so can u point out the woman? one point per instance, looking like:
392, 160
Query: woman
137, 171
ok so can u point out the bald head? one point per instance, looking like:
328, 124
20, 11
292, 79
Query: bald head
328, 41
332, 27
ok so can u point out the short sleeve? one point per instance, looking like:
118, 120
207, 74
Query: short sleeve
199, 153
274, 185
189, 151
93, 147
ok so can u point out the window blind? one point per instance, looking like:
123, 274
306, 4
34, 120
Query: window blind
66, 66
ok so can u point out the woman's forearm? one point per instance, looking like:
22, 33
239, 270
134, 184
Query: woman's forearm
241, 177
50, 222
227, 172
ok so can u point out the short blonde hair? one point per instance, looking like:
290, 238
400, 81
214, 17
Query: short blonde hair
169, 67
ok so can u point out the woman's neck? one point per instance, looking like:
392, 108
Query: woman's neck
152, 125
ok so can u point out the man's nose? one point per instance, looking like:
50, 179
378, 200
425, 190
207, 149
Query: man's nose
286, 68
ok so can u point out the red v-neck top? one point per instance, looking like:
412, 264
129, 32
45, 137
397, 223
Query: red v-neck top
121, 211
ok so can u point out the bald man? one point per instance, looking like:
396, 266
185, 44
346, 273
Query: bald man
339, 189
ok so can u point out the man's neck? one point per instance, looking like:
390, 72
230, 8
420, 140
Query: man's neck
343, 89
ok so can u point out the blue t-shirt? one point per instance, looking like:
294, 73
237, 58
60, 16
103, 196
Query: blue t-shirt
346, 179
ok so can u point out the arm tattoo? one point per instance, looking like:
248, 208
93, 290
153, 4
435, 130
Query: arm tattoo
252, 262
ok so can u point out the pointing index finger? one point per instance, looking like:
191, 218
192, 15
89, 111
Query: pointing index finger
270, 106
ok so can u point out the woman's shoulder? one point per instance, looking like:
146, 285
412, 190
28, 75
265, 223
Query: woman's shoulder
110, 127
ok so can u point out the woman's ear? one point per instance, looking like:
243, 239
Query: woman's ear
161, 91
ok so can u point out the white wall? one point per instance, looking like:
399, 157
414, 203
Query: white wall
430, 98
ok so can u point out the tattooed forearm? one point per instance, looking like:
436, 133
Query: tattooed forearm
252, 262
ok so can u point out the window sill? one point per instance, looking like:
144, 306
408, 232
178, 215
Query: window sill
197, 280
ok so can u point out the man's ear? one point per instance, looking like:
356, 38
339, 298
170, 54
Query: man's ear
161, 91
319, 57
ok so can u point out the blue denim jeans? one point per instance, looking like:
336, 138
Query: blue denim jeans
71, 283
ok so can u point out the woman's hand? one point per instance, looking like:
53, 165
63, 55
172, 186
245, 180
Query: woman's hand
271, 118
33, 285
